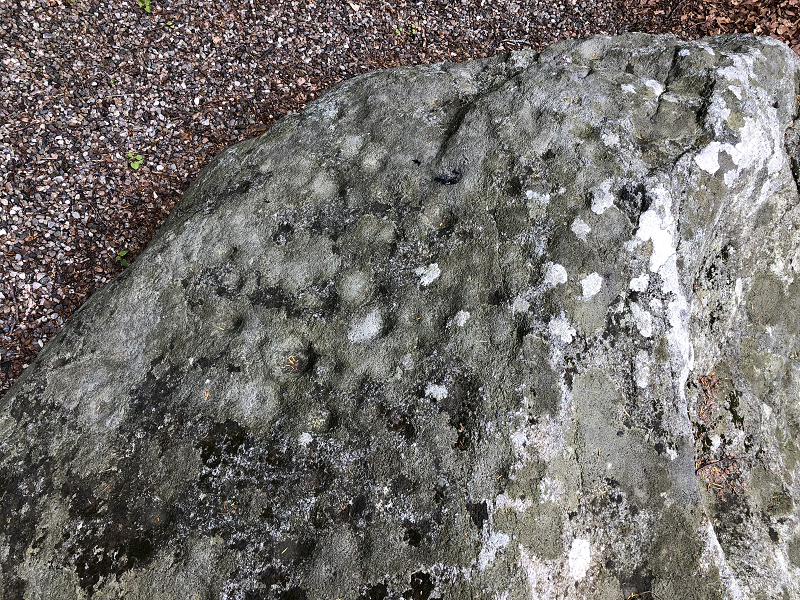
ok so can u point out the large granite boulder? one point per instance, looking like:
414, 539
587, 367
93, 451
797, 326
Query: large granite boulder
524, 327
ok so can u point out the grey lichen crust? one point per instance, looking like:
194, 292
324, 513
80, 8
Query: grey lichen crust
521, 327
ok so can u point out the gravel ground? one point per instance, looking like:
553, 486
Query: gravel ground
108, 110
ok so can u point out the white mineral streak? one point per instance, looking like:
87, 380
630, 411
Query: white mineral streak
714, 556
427, 275
658, 226
591, 284
628, 88
560, 328
555, 274
737, 290
580, 229
640, 283
367, 328
643, 320
495, 543
580, 556
461, 318
642, 373
602, 198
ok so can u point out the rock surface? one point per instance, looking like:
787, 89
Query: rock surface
522, 327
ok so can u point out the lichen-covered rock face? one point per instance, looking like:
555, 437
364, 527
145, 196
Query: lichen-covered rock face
517, 328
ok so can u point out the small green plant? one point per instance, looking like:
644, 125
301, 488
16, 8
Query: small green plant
145, 4
170, 24
121, 258
412, 31
136, 160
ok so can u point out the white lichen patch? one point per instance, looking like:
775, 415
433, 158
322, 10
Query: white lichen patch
708, 158
543, 581
720, 107
550, 490
580, 229
537, 197
643, 320
520, 305
656, 305
560, 328
555, 274
610, 139
366, 329
650, 230
602, 197
496, 542
351, 145
544, 439
628, 88
580, 557
407, 362
537, 203
504, 503
461, 318
655, 86
354, 286
427, 275
590, 285
436, 391
639, 284
755, 147
305, 439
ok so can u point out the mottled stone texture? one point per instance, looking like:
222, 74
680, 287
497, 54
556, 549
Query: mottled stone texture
524, 327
